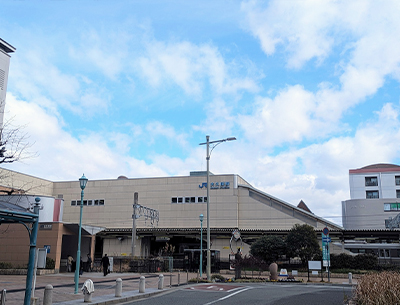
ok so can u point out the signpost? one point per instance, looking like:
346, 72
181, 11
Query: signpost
326, 258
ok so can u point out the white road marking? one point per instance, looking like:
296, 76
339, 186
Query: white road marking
229, 295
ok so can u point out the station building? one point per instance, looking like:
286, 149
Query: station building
107, 222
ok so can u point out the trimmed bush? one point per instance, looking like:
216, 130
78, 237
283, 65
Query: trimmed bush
360, 262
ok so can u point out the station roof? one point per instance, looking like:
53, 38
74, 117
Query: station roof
11, 213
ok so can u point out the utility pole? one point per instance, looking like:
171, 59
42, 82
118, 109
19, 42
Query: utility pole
139, 210
135, 203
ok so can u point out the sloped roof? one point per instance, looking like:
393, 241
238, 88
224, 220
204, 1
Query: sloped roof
303, 206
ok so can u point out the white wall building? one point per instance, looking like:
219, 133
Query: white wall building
5, 50
374, 198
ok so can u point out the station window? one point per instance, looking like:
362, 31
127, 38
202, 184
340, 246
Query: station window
88, 202
397, 193
175, 200
397, 180
371, 181
372, 194
389, 207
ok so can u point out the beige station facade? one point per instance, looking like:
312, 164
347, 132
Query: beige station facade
108, 207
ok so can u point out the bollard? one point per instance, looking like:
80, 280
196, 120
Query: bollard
87, 289
161, 282
187, 277
350, 278
179, 277
142, 284
3, 297
118, 287
48, 295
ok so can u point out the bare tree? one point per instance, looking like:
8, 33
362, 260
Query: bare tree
14, 145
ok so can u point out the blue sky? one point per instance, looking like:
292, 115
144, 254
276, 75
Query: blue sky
310, 89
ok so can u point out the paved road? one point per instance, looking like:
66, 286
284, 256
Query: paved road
254, 294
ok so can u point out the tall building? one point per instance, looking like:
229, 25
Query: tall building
374, 198
5, 50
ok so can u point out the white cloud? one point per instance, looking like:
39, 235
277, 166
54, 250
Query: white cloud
37, 78
365, 35
191, 67
102, 49
301, 26
289, 117
62, 156
158, 129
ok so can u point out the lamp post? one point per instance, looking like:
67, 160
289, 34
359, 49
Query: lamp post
82, 181
201, 244
208, 197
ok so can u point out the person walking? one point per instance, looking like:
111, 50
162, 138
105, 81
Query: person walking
70, 259
106, 263
88, 263
80, 267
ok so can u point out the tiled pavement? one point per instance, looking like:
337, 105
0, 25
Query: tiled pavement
104, 287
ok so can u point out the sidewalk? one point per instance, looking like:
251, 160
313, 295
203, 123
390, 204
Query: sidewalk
104, 286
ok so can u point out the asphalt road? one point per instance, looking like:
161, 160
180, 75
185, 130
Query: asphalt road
254, 294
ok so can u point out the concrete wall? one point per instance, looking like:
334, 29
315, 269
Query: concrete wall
14, 241
366, 214
29, 184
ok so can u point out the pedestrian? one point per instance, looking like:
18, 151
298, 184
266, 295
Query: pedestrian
80, 267
70, 259
106, 264
88, 263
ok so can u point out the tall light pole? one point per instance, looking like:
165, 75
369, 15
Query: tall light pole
201, 244
208, 197
82, 181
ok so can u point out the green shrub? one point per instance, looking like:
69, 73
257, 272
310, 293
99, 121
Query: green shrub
251, 263
5, 265
199, 280
358, 262
218, 278
50, 263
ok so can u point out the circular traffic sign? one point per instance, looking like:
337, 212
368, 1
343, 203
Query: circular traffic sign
325, 231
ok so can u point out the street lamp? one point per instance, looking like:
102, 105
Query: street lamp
201, 244
208, 197
82, 181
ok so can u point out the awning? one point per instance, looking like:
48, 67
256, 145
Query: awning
86, 229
